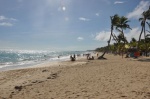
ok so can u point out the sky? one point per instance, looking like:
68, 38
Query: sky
64, 24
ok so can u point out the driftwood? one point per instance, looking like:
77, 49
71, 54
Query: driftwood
101, 57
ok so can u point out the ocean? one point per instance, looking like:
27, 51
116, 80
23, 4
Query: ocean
13, 59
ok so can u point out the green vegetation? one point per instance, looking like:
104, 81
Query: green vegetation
143, 19
116, 47
121, 44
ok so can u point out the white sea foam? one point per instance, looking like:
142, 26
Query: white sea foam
10, 58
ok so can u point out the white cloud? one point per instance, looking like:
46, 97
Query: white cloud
84, 19
97, 14
135, 32
102, 36
105, 35
2, 18
80, 38
136, 13
4, 21
63, 8
12, 19
118, 2
6, 24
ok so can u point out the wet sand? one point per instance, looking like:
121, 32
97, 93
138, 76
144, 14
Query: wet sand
114, 78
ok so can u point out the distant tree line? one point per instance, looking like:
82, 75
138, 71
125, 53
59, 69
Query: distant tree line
116, 47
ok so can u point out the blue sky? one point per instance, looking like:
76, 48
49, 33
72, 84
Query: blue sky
64, 24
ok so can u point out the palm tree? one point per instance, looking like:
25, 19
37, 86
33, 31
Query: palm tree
133, 42
114, 21
123, 25
121, 40
143, 19
120, 23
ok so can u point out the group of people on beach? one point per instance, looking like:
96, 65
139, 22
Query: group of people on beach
73, 58
88, 56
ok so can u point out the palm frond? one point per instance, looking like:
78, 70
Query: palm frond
148, 35
117, 28
115, 37
148, 24
148, 31
141, 19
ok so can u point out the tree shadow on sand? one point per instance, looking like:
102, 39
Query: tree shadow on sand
144, 60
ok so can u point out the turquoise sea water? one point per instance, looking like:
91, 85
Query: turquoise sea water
10, 59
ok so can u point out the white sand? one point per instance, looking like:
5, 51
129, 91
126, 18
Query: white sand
114, 78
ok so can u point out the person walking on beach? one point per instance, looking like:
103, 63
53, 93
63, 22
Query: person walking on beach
97, 54
88, 55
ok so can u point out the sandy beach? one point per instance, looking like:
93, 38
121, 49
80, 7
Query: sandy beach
114, 78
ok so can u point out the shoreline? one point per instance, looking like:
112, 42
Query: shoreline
17, 59
114, 78
45, 63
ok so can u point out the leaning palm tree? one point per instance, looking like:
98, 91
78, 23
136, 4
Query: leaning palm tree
123, 25
114, 21
143, 19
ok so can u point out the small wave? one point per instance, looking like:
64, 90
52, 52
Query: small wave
22, 58
6, 64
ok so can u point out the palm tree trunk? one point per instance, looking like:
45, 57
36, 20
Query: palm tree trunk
145, 42
106, 49
140, 38
123, 46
